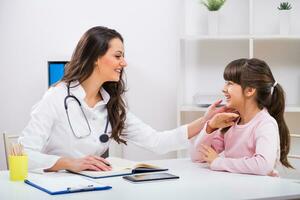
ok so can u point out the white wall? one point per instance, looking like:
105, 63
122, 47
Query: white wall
33, 32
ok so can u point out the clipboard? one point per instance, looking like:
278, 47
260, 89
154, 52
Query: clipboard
63, 183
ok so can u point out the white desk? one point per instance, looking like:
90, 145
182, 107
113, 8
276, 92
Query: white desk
196, 182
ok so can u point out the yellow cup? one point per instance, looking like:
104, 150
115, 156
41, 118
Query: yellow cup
18, 167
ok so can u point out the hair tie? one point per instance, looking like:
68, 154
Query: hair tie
273, 86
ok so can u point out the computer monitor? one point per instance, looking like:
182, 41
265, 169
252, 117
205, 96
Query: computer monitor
56, 71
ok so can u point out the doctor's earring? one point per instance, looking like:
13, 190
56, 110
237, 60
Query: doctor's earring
97, 65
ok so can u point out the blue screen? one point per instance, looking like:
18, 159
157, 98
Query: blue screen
56, 71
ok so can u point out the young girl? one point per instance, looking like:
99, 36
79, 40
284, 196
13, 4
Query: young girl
260, 137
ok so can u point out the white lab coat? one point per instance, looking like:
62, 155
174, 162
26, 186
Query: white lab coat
48, 136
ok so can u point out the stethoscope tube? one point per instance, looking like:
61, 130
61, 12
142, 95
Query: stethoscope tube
102, 138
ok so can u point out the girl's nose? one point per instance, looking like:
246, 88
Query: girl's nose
224, 89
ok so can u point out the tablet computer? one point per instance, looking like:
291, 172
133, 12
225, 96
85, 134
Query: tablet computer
150, 177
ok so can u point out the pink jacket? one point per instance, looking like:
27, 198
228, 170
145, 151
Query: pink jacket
251, 148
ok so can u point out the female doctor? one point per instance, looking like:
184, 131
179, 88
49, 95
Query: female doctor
74, 123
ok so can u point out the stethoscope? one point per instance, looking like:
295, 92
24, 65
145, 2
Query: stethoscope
103, 138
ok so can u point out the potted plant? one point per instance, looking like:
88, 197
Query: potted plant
284, 17
213, 7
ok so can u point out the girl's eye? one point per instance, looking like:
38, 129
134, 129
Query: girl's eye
228, 83
118, 56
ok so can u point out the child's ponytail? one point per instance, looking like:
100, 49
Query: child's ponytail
276, 109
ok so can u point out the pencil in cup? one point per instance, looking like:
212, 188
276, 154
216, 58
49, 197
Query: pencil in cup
18, 163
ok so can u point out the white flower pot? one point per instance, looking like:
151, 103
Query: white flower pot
284, 19
213, 22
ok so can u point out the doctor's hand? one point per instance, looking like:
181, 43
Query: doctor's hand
94, 163
214, 109
221, 120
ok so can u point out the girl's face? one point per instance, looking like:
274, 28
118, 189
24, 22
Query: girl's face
111, 64
234, 95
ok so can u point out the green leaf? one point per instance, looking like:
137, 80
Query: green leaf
213, 5
285, 6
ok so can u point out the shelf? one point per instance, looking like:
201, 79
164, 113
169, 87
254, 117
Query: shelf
216, 37
275, 37
194, 108
292, 109
295, 135
240, 37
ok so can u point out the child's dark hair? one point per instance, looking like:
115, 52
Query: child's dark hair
256, 73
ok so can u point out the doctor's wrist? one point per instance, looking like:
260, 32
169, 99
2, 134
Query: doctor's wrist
210, 128
195, 127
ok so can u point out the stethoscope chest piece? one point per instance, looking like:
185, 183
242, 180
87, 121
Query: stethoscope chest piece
104, 138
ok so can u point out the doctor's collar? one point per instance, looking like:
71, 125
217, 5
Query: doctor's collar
77, 90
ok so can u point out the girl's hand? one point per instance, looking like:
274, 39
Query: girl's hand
221, 120
208, 153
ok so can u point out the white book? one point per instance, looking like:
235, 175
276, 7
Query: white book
122, 167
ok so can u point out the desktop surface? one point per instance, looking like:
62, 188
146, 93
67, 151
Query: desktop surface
196, 182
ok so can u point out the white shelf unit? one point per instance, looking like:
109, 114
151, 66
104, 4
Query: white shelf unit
194, 108
247, 29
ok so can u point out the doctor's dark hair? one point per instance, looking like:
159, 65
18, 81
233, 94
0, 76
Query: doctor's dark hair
257, 74
93, 44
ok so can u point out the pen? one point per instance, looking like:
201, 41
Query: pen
80, 188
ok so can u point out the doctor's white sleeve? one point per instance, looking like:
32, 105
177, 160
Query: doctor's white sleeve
36, 134
143, 135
